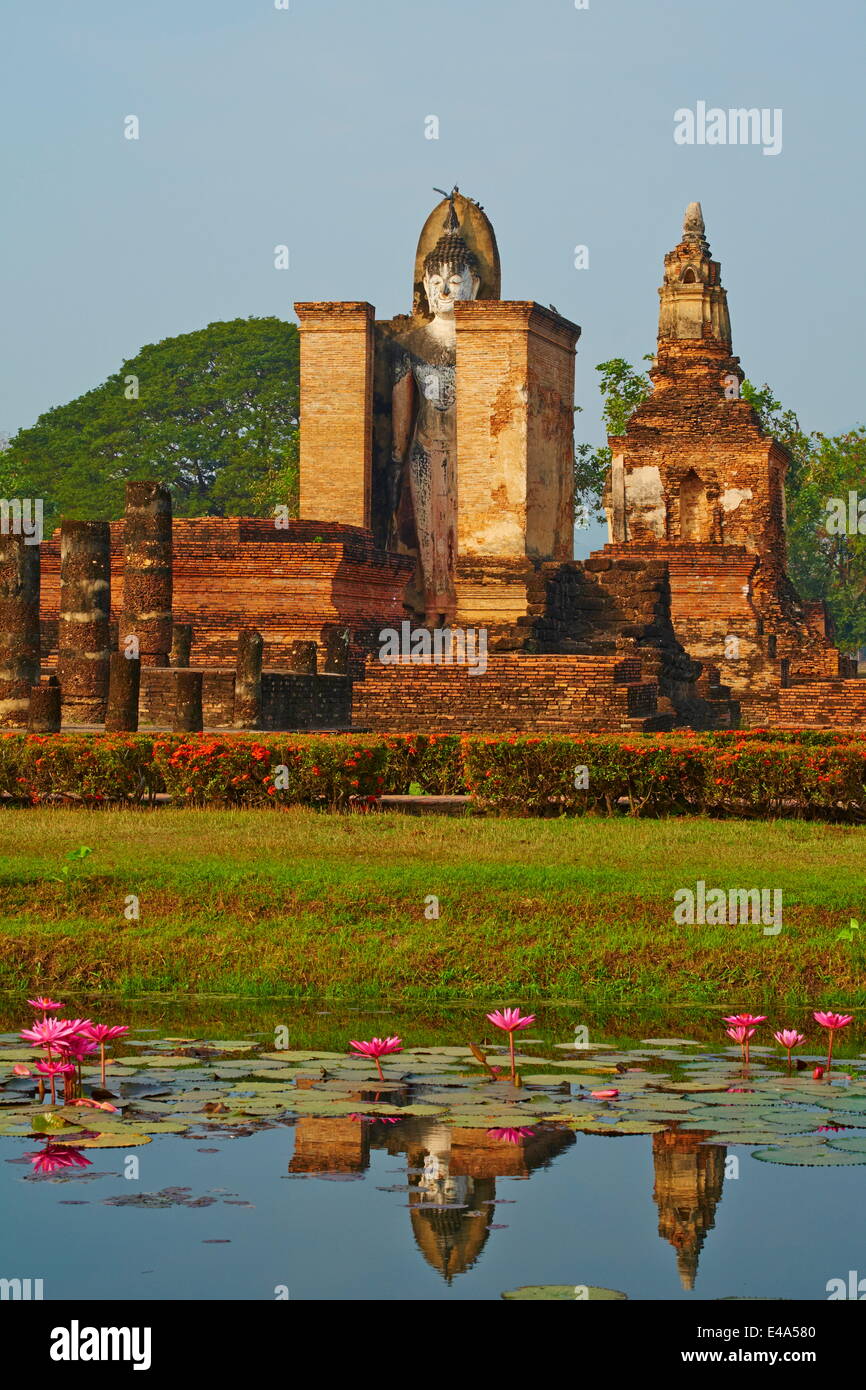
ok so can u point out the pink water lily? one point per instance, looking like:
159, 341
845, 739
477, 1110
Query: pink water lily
53, 1070
746, 1020
103, 1033
48, 1006
789, 1038
48, 1033
50, 1159
19, 1069
832, 1022
377, 1048
512, 1136
741, 1034
79, 1048
77, 1025
609, 1094
510, 1021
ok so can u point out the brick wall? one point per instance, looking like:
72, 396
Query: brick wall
289, 701
517, 692
231, 572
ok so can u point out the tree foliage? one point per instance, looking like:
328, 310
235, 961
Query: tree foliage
822, 565
213, 414
623, 389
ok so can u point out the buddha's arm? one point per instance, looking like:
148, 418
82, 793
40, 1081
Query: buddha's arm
402, 405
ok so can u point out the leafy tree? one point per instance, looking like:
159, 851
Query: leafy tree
823, 565
623, 389
213, 414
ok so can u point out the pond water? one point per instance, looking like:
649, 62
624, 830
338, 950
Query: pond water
239, 1163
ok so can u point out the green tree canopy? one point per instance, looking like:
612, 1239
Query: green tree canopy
213, 414
823, 565
623, 389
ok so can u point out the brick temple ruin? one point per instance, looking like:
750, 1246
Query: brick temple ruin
437, 467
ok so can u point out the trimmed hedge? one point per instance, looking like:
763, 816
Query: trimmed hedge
753, 772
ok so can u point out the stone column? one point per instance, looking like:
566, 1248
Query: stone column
187, 705
248, 680
85, 603
124, 681
301, 658
19, 627
181, 644
147, 577
44, 713
337, 640
336, 411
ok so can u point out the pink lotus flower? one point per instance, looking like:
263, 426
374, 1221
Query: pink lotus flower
512, 1136
378, 1047
48, 1033
53, 1070
50, 1159
48, 1006
817, 1073
746, 1020
103, 1033
510, 1021
605, 1095
741, 1034
789, 1038
79, 1048
77, 1025
96, 1104
832, 1022
19, 1069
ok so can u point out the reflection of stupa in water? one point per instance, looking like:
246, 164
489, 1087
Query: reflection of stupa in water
452, 1177
689, 1175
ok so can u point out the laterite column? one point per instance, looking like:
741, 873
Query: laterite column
85, 603
19, 627
124, 681
248, 680
147, 576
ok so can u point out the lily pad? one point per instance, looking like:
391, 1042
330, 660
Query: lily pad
126, 1139
821, 1156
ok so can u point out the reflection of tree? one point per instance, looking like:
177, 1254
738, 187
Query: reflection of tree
689, 1175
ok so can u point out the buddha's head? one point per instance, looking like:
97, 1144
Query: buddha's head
450, 273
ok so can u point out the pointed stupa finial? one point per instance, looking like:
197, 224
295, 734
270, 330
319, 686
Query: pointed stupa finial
451, 223
693, 223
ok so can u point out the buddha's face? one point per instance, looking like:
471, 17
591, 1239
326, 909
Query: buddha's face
446, 285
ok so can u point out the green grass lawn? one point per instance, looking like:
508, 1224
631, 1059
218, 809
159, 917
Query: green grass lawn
306, 904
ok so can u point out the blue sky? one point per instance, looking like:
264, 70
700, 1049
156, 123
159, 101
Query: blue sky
305, 127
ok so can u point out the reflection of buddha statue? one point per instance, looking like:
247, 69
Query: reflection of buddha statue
450, 1213
425, 417
689, 1175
